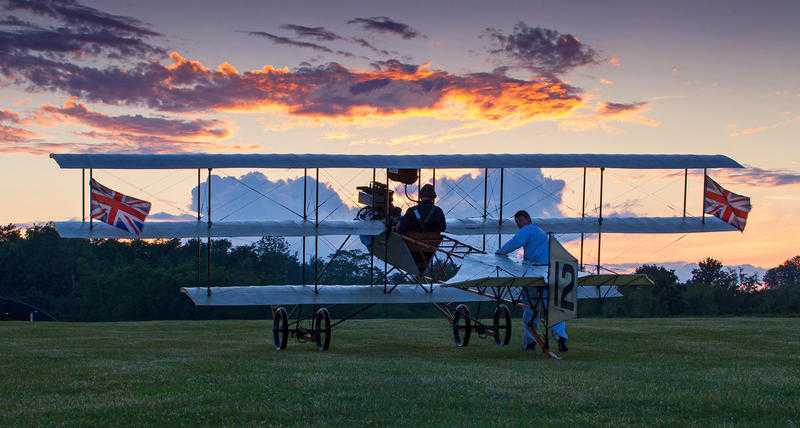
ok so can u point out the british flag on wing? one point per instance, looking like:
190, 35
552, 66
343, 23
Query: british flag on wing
728, 206
118, 210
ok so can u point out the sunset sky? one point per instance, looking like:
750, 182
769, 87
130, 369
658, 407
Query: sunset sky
414, 77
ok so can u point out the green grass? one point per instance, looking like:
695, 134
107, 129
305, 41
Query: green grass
731, 371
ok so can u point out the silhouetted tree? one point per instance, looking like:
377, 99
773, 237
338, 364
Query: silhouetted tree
102, 280
785, 275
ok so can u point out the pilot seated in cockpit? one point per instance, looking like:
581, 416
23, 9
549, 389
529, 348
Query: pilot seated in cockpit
424, 224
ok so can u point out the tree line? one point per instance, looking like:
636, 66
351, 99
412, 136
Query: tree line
107, 280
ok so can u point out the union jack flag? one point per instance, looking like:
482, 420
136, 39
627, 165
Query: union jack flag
728, 206
118, 210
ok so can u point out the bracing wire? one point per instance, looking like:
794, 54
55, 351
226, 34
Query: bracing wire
264, 195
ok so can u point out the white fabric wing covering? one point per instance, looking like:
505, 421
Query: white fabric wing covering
233, 229
476, 226
476, 268
480, 266
274, 295
328, 295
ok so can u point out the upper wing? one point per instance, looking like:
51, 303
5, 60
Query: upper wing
517, 160
233, 229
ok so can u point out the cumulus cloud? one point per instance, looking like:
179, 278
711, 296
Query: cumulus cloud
255, 196
384, 24
165, 216
526, 189
540, 50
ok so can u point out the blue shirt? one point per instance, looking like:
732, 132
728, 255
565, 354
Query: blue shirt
534, 242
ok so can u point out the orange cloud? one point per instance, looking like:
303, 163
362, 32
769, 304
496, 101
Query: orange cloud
402, 90
751, 176
125, 133
331, 91
606, 113
9, 116
13, 138
174, 129
735, 131
12, 134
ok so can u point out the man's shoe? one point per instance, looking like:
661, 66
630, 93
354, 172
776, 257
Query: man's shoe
562, 345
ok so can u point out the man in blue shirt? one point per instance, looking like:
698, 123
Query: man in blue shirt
534, 242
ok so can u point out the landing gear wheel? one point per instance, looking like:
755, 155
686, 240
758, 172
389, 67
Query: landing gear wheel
462, 326
501, 323
280, 328
322, 329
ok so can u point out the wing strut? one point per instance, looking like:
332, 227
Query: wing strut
703, 201
316, 235
600, 221
485, 201
685, 187
305, 219
83, 195
198, 228
90, 199
500, 234
371, 254
386, 219
583, 212
208, 243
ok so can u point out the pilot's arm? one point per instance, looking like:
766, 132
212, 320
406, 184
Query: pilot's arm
438, 220
406, 222
518, 241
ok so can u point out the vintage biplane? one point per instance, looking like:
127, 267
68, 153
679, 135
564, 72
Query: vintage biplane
415, 267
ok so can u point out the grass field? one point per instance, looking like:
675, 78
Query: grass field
739, 371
